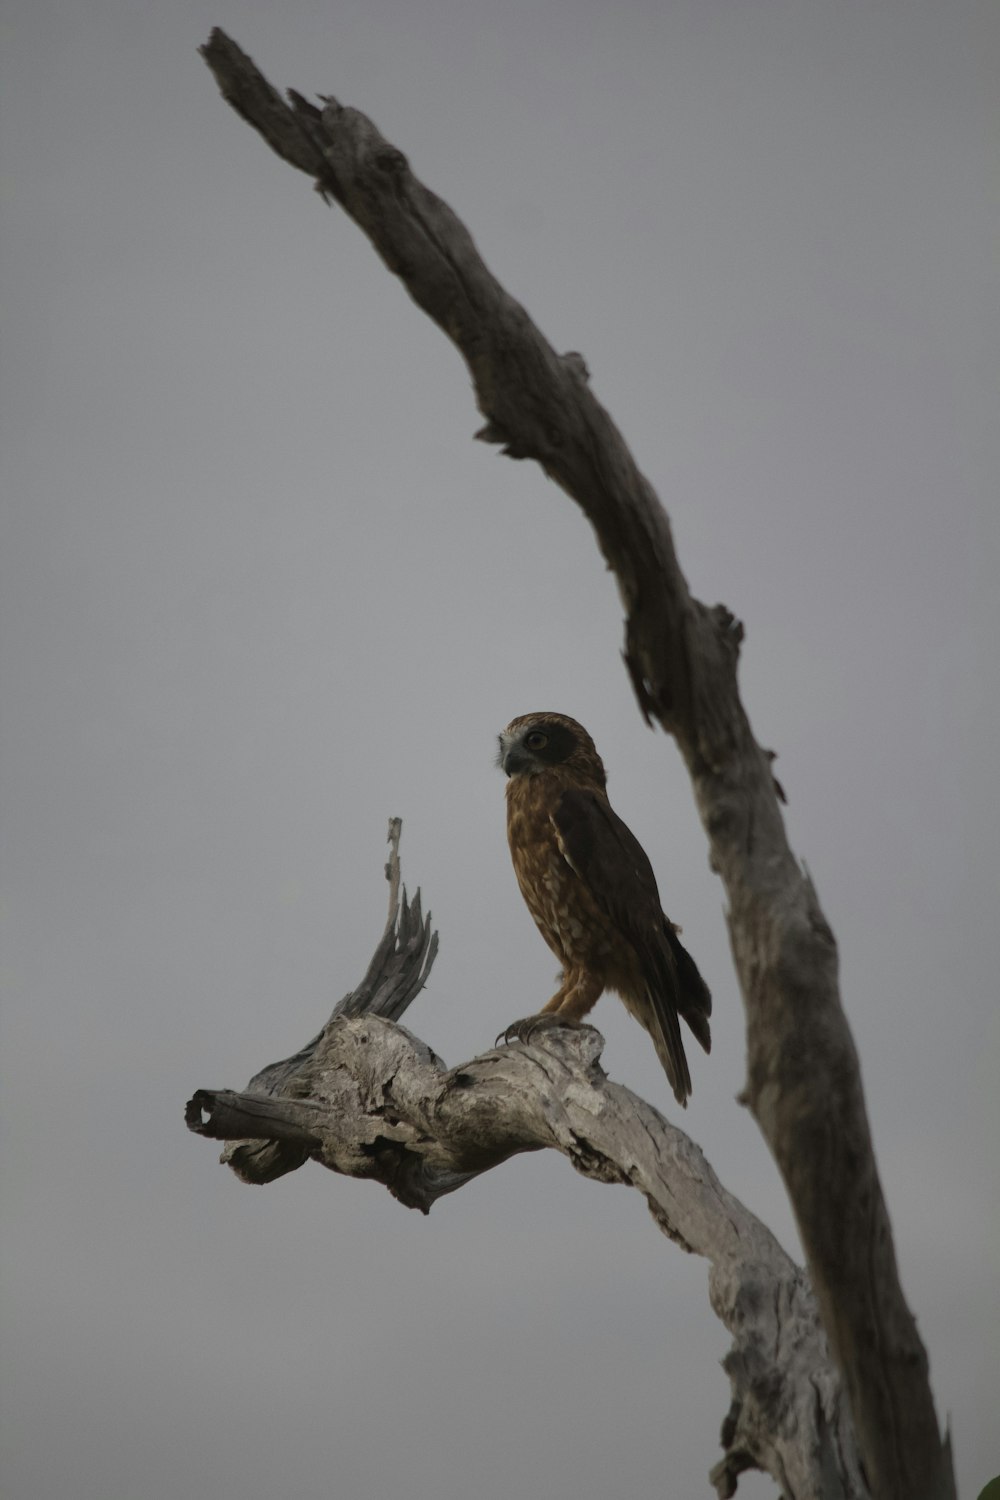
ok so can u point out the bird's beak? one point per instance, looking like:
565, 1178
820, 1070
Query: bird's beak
511, 758
505, 754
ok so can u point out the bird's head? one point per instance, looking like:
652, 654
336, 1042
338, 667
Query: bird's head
541, 742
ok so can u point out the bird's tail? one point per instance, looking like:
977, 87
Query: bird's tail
694, 998
663, 1027
675, 988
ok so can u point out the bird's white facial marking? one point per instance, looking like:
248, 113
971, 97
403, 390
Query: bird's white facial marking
515, 758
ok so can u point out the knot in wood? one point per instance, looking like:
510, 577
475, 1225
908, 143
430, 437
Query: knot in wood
391, 161
729, 627
576, 364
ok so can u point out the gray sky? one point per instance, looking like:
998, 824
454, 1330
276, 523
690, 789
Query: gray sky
261, 591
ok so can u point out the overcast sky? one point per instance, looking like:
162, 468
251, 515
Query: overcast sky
262, 590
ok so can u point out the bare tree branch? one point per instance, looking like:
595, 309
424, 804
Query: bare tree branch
395, 976
367, 1099
803, 1084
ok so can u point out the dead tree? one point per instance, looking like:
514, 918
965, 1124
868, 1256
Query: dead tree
368, 1099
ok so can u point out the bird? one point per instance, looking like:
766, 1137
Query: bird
590, 888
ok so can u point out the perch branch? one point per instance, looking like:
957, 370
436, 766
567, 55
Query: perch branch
367, 1099
803, 1085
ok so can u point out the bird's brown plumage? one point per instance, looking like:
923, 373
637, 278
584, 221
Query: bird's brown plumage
592, 893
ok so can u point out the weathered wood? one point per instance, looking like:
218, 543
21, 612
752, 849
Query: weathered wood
369, 1100
803, 1085
381, 1106
396, 974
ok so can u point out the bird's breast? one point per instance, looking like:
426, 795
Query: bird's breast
563, 909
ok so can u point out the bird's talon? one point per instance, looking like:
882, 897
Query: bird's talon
515, 1032
525, 1029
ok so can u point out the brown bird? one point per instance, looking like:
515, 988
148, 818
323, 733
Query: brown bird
592, 892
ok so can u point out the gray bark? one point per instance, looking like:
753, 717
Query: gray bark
803, 1086
367, 1099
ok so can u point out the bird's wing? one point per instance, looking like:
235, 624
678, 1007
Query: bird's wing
606, 855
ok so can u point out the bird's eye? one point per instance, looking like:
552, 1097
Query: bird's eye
536, 740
